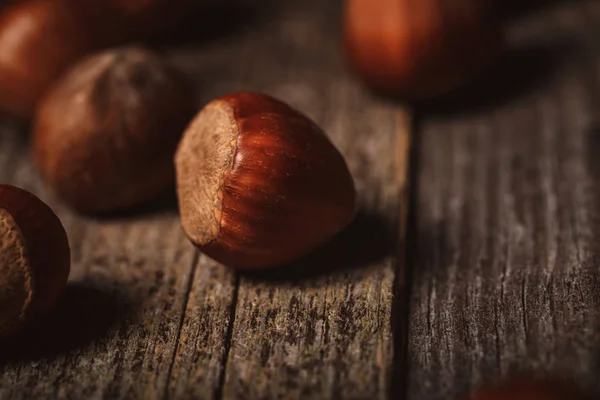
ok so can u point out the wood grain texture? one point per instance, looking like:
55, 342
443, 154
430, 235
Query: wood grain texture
506, 273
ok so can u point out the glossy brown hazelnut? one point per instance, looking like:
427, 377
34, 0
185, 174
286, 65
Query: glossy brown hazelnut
419, 49
34, 259
529, 387
259, 183
39, 39
104, 137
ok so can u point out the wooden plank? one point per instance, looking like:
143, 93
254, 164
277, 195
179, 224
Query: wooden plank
506, 271
321, 329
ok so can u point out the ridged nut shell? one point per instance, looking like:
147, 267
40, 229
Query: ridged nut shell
260, 184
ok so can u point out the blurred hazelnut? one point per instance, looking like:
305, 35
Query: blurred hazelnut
419, 49
105, 136
39, 39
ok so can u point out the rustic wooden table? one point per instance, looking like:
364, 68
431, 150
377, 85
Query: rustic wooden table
494, 269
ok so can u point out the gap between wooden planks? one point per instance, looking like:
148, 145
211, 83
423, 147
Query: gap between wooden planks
405, 137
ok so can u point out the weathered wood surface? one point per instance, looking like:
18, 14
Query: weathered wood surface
506, 274
146, 316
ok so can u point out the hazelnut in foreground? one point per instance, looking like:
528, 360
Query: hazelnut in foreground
419, 49
526, 387
259, 184
105, 135
34, 259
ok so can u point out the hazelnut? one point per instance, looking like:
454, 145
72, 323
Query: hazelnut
34, 259
39, 39
104, 137
419, 49
260, 184
528, 387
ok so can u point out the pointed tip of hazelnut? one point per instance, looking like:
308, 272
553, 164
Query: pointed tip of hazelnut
260, 184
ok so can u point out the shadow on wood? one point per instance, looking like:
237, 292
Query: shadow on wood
517, 73
165, 203
520, 8
405, 261
592, 149
85, 315
217, 21
592, 146
18, 129
369, 239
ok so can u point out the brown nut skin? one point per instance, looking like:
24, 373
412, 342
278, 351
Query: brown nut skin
104, 137
39, 39
34, 260
530, 387
417, 50
259, 184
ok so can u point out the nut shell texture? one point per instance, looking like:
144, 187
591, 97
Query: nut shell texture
419, 49
259, 184
105, 136
34, 259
